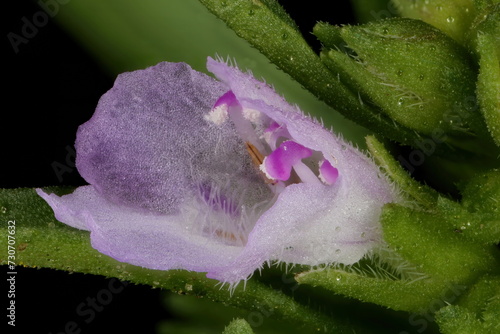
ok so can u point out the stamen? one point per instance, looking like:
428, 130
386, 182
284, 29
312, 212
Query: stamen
228, 99
258, 159
227, 106
278, 165
252, 115
327, 173
219, 113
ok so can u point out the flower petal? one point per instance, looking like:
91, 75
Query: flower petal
148, 145
145, 239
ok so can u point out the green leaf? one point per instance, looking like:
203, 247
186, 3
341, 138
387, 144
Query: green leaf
399, 295
412, 189
42, 241
238, 326
372, 10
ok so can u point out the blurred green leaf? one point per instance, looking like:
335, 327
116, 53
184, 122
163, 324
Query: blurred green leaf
372, 10
126, 35
238, 326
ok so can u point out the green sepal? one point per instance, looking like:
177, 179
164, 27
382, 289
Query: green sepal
396, 294
482, 194
238, 326
476, 312
480, 201
454, 319
486, 22
452, 17
475, 227
414, 73
427, 241
477, 216
485, 291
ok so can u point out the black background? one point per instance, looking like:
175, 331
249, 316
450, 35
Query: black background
51, 86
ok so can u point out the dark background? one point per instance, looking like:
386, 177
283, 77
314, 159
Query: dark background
51, 86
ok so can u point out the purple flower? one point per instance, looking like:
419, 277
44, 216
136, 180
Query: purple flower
218, 176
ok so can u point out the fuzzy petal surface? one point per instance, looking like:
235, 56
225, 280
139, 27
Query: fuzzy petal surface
137, 237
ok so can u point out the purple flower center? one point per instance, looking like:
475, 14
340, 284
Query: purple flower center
280, 158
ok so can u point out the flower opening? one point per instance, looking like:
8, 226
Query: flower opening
271, 146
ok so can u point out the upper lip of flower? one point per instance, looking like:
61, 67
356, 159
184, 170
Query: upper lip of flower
174, 186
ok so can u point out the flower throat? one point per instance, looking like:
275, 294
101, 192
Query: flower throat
279, 158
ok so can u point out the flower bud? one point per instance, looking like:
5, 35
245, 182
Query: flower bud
413, 72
